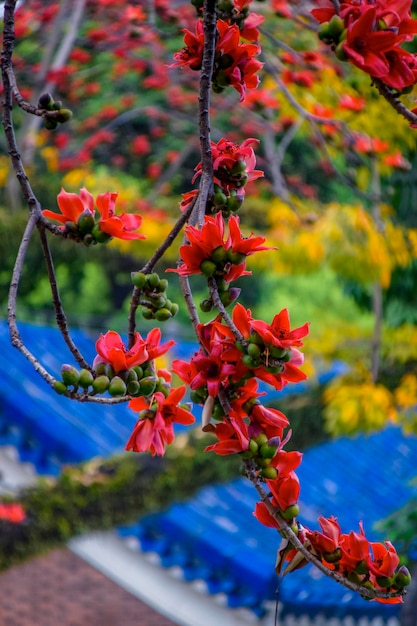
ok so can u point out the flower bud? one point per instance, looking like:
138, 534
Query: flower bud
163, 284
86, 222
385, 581
254, 351
60, 387
270, 473
133, 388
147, 385
174, 309
138, 279
46, 101
402, 577
162, 315
101, 384
70, 375
206, 305
147, 314
207, 267
65, 115
153, 280
139, 371
333, 557
267, 451
237, 258
290, 512
219, 255
99, 235
86, 378
117, 387
50, 124
219, 199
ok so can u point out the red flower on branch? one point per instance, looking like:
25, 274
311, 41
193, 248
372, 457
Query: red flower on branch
154, 428
12, 512
78, 211
112, 350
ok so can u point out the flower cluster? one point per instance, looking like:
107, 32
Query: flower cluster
370, 35
79, 217
368, 564
235, 64
119, 370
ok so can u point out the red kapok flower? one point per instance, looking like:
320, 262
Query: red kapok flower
79, 211
154, 429
112, 350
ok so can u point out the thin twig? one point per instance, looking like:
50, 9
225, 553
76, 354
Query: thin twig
60, 316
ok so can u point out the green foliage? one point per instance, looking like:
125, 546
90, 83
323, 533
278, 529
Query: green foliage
102, 494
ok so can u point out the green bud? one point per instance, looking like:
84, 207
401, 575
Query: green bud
100, 369
86, 222
269, 472
219, 199
263, 462
219, 255
261, 439
117, 387
147, 314
208, 268
361, 567
174, 309
222, 79
162, 315
109, 371
159, 302
89, 240
57, 105
86, 378
268, 452
99, 235
163, 284
237, 258
206, 305
60, 388
195, 397
46, 101
402, 577
253, 446
226, 61
248, 361
336, 26
254, 351
153, 280
147, 385
64, 116
50, 124
101, 384
340, 52
70, 375
133, 388
290, 512
238, 168
139, 371
277, 353
234, 203
131, 375
385, 581
138, 279
333, 557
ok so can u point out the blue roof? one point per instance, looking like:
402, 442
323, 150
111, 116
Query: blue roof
50, 430
214, 536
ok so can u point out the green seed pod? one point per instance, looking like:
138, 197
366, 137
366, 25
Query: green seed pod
147, 385
269, 472
208, 268
153, 280
86, 378
117, 387
60, 387
162, 315
290, 512
70, 375
138, 279
101, 384
86, 222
